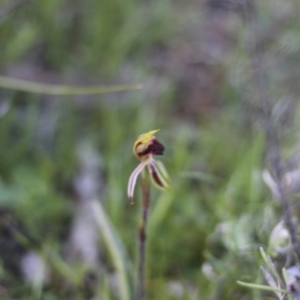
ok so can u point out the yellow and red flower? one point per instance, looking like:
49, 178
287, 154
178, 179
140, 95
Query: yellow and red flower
144, 148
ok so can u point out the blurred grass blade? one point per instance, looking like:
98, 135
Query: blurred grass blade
271, 281
269, 263
285, 277
62, 268
260, 287
161, 208
57, 89
116, 249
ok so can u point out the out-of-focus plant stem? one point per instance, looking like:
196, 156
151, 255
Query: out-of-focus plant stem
261, 83
116, 248
57, 89
142, 238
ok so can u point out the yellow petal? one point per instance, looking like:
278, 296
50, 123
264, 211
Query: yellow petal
144, 139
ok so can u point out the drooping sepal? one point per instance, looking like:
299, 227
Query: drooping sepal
159, 175
132, 180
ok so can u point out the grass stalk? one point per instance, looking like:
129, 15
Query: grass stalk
58, 89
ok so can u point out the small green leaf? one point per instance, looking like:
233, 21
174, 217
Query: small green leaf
269, 263
260, 287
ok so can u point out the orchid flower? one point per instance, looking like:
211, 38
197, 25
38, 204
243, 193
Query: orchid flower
144, 148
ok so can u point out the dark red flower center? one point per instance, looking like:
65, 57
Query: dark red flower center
155, 148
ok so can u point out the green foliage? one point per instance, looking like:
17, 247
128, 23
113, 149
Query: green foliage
203, 235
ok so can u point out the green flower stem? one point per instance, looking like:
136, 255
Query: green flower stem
57, 89
140, 285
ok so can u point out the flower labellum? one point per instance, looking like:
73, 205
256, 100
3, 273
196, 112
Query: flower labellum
144, 148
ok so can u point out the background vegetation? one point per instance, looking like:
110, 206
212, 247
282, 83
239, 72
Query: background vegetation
60, 153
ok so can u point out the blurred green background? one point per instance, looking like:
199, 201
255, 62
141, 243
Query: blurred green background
60, 153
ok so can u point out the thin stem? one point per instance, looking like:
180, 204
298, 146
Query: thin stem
140, 286
273, 151
57, 89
